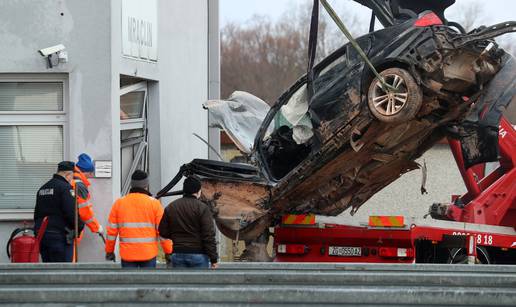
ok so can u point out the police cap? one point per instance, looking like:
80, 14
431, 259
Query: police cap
65, 166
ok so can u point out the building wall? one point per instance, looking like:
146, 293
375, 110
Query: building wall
184, 84
91, 32
27, 26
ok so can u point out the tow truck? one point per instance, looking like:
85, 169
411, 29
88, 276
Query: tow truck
477, 227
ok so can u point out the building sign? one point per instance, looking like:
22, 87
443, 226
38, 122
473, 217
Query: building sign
103, 169
140, 29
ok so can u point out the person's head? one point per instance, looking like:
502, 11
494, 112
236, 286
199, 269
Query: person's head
85, 164
192, 186
140, 180
65, 169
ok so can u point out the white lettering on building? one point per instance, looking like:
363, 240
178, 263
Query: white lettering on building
140, 31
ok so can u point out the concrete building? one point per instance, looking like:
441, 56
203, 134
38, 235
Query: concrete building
127, 89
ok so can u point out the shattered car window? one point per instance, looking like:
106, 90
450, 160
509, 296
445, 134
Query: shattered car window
292, 129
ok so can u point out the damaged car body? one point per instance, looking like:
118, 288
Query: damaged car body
340, 134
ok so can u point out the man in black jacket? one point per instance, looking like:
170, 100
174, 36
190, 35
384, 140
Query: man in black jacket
56, 199
188, 222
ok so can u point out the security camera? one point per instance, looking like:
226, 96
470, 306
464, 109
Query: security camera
51, 50
56, 51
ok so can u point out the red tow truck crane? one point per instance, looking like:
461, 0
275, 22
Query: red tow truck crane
477, 227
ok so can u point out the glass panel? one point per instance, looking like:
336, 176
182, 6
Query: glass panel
130, 141
131, 134
28, 158
126, 160
131, 105
24, 96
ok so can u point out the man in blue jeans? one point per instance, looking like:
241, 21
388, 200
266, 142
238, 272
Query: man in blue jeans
188, 222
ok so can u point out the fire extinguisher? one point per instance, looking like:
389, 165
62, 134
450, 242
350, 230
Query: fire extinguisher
25, 247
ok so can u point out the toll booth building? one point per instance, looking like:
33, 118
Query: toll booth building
122, 80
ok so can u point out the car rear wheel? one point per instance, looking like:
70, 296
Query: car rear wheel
399, 105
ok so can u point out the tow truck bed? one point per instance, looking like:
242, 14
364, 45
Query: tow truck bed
419, 240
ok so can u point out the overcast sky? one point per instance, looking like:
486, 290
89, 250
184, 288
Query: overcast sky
241, 10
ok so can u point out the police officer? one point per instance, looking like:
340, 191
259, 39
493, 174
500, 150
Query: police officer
56, 199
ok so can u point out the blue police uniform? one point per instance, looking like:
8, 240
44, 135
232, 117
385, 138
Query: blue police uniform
56, 199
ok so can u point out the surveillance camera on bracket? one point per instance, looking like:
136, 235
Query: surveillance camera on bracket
50, 51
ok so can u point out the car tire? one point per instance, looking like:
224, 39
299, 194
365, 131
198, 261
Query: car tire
401, 106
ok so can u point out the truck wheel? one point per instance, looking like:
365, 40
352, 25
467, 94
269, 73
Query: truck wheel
395, 107
460, 256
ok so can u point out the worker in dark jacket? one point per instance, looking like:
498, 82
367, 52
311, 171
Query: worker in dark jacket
188, 222
56, 199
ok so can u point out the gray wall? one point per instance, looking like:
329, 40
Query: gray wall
183, 83
27, 26
175, 110
91, 32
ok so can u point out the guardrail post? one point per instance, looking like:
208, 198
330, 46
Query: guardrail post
472, 249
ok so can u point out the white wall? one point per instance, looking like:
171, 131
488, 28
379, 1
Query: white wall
184, 87
27, 26
91, 32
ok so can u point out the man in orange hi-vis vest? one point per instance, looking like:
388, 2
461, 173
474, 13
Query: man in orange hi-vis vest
85, 169
135, 218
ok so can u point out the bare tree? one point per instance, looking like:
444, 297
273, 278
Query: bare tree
265, 57
262, 58
470, 15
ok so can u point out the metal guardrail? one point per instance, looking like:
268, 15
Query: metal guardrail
245, 284
278, 266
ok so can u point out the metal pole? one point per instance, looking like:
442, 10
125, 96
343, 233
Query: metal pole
76, 227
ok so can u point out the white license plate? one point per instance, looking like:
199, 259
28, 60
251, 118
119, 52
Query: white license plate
345, 251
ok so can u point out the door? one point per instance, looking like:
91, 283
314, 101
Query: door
133, 132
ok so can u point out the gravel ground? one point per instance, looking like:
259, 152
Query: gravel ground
403, 197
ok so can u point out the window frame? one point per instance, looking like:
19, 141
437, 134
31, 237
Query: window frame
36, 118
135, 123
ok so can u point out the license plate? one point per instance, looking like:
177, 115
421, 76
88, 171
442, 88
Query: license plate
345, 251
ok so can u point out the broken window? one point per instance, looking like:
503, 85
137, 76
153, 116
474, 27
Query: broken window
290, 137
288, 142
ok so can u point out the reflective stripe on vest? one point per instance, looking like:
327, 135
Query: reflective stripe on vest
111, 238
89, 221
83, 205
138, 240
132, 225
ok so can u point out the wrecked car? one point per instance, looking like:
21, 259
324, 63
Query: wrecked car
341, 133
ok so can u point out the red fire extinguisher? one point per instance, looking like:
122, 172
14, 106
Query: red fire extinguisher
25, 247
